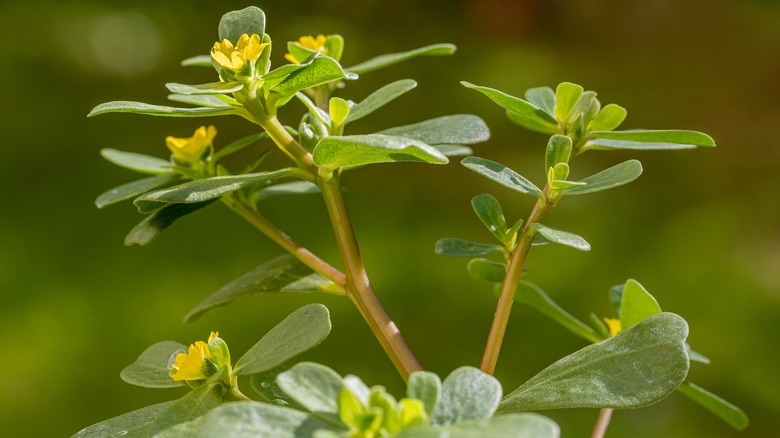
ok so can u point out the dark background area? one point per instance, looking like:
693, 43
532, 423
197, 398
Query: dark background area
698, 229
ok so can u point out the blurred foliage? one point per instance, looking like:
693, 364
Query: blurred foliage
72, 311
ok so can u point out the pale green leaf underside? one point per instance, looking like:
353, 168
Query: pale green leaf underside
357, 150
649, 140
210, 88
315, 387
380, 98
124, 106
204, 189
531, 295
424, 386
133, 189
137, 162
615, 176
389, 59
284, 274
561, 237
453, 150
727, 412
159, 220
638, 367
135, 424
463, 248
151, 370
206, 100
526, 425
285, 189
301, 331
453, 129
197, 61
502, 175
467, 394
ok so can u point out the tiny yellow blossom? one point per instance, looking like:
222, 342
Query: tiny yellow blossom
191, 149
196, 364
316, 44
614, 326
247, 49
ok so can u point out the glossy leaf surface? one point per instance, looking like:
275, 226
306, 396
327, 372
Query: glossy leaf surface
137, 162
357, 150
615, 176
647, 140
158, 221
124, 106
561, 237
322, 70
380, 98
521, 111
133, 189
502, 175
454, 129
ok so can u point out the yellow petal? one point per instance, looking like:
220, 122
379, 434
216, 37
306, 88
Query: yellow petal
614, 326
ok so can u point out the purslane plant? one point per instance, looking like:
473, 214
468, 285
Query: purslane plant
635, 360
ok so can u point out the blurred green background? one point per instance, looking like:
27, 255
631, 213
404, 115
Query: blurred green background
698, 229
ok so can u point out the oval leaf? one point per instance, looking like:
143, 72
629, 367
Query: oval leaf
136, 424
426, 387
250, 20
558, 151
454, 129
542, 98
158, 221
727, 412
151, 369
204, 189
380, 98
646, 140
133, 189
609, 118
258, 420
137, 162
389, 59
526, 425
323, 69
561, 237
486, 270
615, 176
467, 394
638, 367
566, 97
488, 210
356, 150
315, 387
284, 274
301, 331
463, 248
519, 108
502, 175
124, 106
636, 305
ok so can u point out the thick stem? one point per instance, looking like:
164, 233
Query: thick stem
506, 299
358, 287
280, 238
602, 423
284, 140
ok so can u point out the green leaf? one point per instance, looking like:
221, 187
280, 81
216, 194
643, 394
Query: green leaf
454, 129
526, 425
204, 189
133, 189
301, 331
211, 88
265, 384
488, 210
467, 394
542, 98
561, 237
159, 220
151, 369
123, 106
284, 189
558, 151
322, 70
616, 296
338, 111
356, 150
637, 305
638, 367
196, 403
695, 356
197, 61
389, 59
486, 270
426, 387
137, 162
566, 97
380, 98
463, 248
531, 295
453, 150
206, 100
250, 20
284, 274
288, 69
646, 140
727, 412
615, 176
315, 387
136, 424
608, 119
522, 112
258, 420
238, 145
502, 175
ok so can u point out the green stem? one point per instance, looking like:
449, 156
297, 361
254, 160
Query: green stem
287, 143
237, 394
358, 287
513, 274
602, 423
280, 238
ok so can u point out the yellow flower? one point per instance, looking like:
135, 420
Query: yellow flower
191, 149
614, 326
248, 49
196, 364
316, 44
